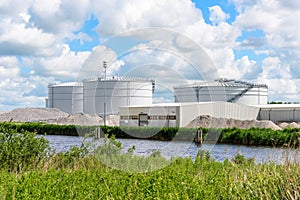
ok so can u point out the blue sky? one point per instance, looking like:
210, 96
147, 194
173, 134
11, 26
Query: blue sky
42, 42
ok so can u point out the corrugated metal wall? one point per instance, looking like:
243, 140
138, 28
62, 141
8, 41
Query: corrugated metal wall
218, 110
280, 114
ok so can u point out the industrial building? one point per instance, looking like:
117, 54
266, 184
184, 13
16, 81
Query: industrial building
233, 91
93, 96
115, 92
67, 97
180, 114
131, 99
279, 112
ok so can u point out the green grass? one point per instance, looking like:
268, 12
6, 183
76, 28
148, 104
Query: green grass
104, 172
182, 179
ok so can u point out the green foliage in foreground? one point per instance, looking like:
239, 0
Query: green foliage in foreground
104, 172
21, 150
182, 179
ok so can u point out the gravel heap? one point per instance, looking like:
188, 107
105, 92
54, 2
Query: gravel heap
289, 125
86, 120
2, 112
78, 119
32, 114
212, 122
56, 116
113, 120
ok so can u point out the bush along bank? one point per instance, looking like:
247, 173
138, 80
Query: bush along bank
252, 136
256, 136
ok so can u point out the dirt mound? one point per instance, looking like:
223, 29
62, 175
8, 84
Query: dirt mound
55, 116
2, 112
78, 119
289, 125
212, 122
86, 120
113, 120
32, 114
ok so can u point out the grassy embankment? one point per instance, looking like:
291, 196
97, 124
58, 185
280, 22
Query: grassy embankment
253, 136
29, 171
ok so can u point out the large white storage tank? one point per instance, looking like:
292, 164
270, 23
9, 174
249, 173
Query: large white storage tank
115, 92
240, 92
67, 97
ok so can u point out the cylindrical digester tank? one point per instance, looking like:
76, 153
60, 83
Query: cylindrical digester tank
223, 90
67, 97
115, 92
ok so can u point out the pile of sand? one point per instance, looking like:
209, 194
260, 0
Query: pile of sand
56, 116
32, 114
2, 112
113, 120
78, 119
86, 120
212, 122
289, 125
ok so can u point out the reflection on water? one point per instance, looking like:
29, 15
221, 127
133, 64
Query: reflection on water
187, 149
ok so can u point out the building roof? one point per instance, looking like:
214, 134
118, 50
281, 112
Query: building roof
278, 106
176, 104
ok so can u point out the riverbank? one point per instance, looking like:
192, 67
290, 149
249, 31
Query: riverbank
289, 137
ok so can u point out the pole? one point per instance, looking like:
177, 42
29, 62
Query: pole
105, 66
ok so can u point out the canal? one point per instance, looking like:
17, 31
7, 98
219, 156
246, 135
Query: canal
187, 149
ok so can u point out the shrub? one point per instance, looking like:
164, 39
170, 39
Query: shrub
240, 159
21, 149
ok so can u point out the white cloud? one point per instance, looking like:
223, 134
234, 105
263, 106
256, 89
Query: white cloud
6, 73
33, 34
217, 15
278, 20
283, 89
63, 67
60, 17
93, 64
118, 16
18, 39
13, 7
32, 38
249, 69
19, 91
81, 36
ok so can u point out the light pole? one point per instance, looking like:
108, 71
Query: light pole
104, 66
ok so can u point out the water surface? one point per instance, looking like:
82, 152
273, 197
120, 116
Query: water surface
187, 149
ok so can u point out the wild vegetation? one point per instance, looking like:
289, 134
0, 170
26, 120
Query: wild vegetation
253, 136
31, 171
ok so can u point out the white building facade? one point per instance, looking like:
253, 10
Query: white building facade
181, 114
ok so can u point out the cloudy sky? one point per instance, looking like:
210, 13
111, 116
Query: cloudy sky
47, 41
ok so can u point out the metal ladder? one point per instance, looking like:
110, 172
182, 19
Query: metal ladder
235, 98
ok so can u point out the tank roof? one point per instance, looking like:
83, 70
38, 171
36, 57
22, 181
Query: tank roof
119, 78
222, 82
67, 84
